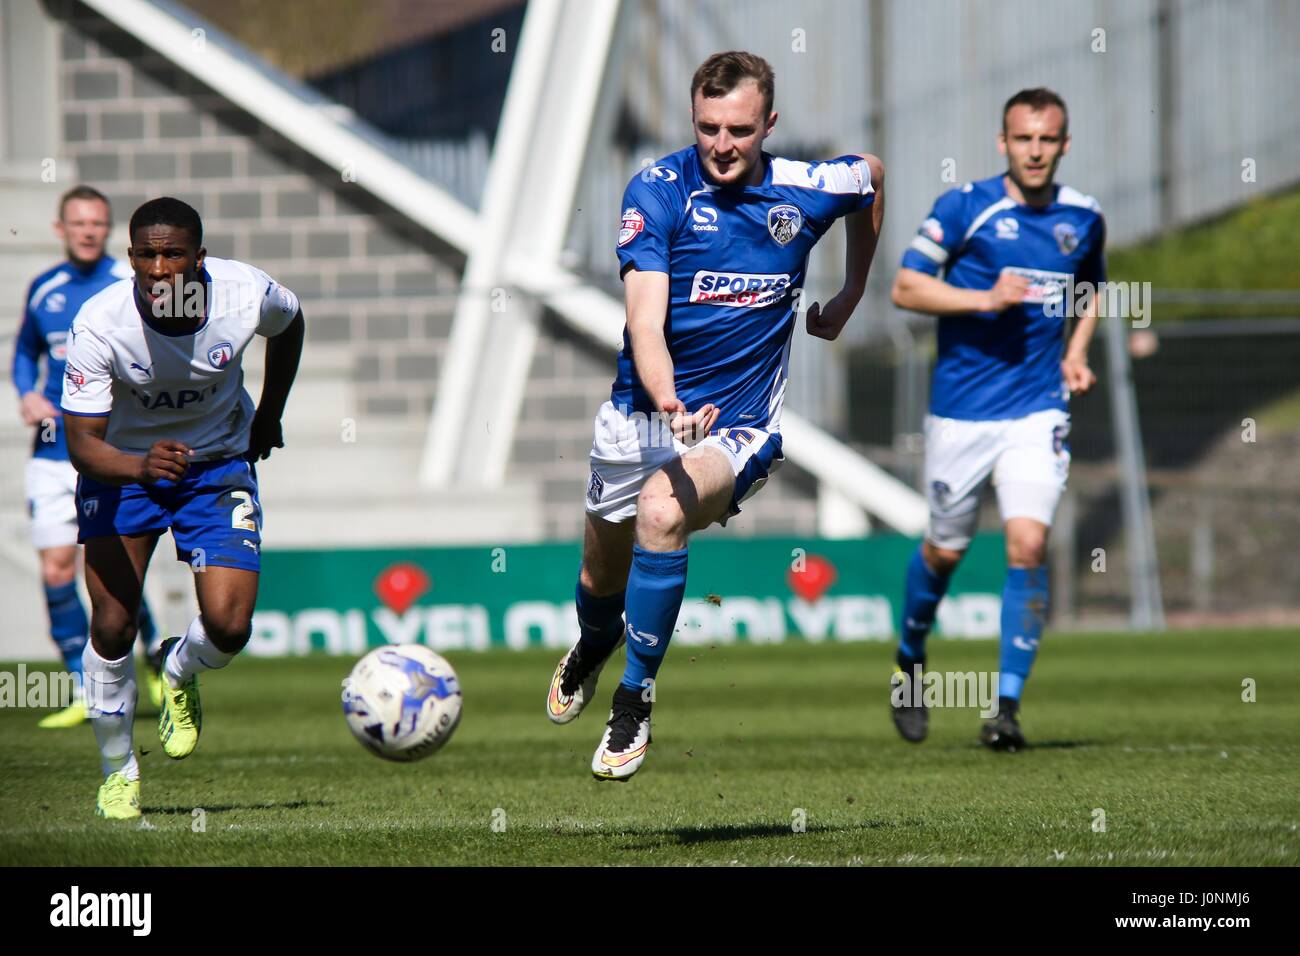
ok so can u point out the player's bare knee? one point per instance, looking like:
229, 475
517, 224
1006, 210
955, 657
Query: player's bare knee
112, 634
55, 575
229, 632
659, 519
942, 561
1027, 548
58, 566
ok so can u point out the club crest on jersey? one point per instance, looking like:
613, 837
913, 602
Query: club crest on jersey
633, 223
219, 356
1067, 240
784, 222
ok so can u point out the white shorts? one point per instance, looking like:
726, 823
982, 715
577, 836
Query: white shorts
52, 502
1027, 458
627, 450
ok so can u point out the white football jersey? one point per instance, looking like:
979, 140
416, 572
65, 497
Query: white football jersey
153, 384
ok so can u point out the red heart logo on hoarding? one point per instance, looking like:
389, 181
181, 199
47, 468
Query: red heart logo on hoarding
401, 586
813, 579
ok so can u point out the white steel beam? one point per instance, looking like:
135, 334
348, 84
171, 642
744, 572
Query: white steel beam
533, 271
529, 196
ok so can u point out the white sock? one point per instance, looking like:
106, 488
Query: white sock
193, 653
110, 704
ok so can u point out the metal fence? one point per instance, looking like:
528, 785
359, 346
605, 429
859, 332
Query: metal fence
1219, 405
1173, 111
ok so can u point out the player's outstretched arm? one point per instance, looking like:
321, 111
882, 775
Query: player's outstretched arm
862, 229
28, 348
282, 354
1079, 378
95, 458
646, 298
918, 292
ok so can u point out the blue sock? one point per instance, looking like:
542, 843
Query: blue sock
1024, 612
600, 619
68, 624
654, 596
924, 590
146, 628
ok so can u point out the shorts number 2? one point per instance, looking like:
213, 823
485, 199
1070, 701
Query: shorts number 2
241, 516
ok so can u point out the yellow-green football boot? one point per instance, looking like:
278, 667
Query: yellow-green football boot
71, 716
119, 798
153, 687
181, 716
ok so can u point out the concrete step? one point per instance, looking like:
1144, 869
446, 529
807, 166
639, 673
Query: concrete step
25, 201
17, 269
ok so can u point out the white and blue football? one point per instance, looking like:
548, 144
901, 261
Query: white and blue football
402, 702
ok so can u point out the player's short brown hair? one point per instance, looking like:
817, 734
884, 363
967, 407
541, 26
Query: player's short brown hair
1039, 98
723, 72
84, 192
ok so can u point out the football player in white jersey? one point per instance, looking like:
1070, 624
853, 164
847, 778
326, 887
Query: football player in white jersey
164, 436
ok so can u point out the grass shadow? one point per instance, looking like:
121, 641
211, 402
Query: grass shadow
1061, 744
686, 836
650, 839
226, 808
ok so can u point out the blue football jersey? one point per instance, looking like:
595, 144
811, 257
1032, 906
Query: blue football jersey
1006, 365
53, 299
734, 257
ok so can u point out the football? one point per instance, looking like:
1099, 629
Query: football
402, 702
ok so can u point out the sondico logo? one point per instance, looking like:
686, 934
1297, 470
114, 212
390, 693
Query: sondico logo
706, 219
103, 909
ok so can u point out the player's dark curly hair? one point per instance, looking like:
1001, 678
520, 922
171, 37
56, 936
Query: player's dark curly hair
166, 211
723, 72
1039, 98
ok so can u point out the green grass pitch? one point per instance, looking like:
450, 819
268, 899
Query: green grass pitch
1150, 729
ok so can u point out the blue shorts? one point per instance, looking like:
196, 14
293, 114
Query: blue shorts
213, 513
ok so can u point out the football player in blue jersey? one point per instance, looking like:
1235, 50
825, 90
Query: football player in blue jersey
1013, 250
713, 252
53, 299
